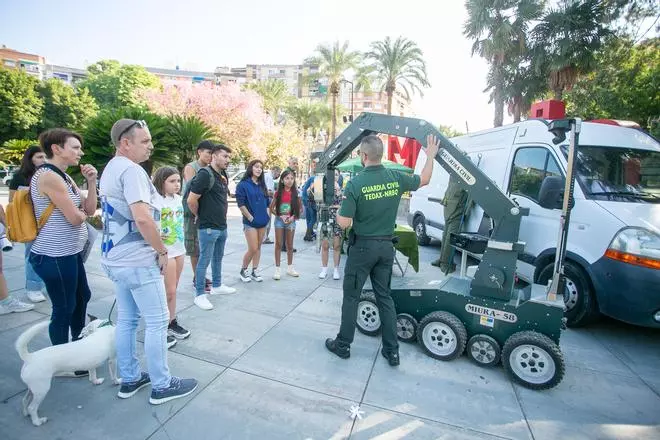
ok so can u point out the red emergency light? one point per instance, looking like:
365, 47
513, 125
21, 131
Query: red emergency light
551, 109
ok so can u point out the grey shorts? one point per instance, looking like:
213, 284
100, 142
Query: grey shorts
190, 238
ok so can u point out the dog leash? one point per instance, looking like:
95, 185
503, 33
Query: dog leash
109, 320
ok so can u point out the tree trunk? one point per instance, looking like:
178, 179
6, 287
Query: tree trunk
389, 102
498, 99
334, 117
517, 108
559, 93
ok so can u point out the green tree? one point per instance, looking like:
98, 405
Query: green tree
99, 150
567, 39
113, 85
187, 132
398, 64
20, 105
310, 116
333, 61
65, 106
275, 95
623, 85
12, 151
498, 29
448, 131
282, 142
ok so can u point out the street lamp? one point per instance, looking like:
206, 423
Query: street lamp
349, 82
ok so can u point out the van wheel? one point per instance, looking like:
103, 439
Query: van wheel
419, 225
581, 306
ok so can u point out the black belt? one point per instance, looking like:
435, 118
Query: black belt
375, 237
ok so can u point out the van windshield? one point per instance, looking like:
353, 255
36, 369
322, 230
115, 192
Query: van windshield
618, 174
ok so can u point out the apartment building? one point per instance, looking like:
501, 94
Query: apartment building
374, 102
69, 75
298, 77
30, 63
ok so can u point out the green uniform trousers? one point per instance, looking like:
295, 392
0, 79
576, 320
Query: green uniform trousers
453, 214
366, 258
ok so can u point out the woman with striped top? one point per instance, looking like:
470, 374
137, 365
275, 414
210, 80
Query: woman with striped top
57, 251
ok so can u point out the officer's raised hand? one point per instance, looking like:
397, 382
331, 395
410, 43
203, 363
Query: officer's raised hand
432, 145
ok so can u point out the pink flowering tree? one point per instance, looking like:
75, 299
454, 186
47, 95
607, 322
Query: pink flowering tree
235, 115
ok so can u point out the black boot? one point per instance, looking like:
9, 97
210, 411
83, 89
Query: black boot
392, 357
341, 350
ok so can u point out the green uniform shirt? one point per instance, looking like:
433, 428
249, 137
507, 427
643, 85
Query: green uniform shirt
372, 198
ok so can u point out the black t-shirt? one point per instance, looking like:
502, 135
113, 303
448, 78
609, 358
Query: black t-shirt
212, 212
18, 179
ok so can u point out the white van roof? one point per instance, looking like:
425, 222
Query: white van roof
536, 130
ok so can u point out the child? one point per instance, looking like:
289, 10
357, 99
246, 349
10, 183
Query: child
168, 184
335, 232
252, 199
286, 207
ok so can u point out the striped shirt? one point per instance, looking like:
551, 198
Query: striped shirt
58, 237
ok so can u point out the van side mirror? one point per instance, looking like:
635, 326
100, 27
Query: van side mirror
551, 194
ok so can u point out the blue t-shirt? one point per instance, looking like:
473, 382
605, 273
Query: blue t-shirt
252, 196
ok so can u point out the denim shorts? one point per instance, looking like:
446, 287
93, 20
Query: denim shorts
279, 224
246, 227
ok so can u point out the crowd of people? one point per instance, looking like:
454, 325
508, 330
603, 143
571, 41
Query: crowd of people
150, 224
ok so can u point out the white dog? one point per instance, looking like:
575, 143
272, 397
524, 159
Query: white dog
88, 353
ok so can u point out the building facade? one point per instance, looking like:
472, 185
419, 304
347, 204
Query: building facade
69, 75
29, 63
374, 102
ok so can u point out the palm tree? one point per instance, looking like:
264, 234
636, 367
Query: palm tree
398, 63
275, 94
187, 132
310, 116
566, 41
498, 28
333, 62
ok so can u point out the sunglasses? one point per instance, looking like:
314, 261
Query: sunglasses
139, 124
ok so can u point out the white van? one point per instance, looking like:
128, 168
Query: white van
613, 258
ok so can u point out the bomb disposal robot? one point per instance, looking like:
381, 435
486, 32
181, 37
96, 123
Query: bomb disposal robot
491, 314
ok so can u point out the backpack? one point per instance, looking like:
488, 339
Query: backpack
22, 224
186, 209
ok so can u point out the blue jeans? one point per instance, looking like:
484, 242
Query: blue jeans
141, 291
310, 215
211, 250
32, 280
66, 284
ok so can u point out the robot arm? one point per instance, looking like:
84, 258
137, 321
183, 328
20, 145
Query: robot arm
495, 275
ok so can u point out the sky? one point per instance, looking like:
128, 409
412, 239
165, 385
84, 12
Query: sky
204, 34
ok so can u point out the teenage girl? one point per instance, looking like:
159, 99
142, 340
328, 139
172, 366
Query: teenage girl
286, 207
167, 181
252, 199
334, 233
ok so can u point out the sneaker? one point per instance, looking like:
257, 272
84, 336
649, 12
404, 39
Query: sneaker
324, 273
276, 275
341, 350
335, 274
178, 388
171, 342
202, 301
222, 290
245, 276
129, 389
11, 305
292, 272
268, 241
256, 277
174, 329
392, 357
35, 296
75, 374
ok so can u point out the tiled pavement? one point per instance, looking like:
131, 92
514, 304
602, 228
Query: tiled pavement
264, 374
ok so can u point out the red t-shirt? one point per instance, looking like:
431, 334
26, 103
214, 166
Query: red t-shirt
285, 203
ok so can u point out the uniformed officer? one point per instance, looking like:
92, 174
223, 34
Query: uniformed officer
454, 201
369, 207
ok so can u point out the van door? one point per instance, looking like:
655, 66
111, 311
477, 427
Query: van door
531, 164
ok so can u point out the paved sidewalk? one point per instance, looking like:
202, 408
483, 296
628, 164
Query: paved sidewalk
265, 374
